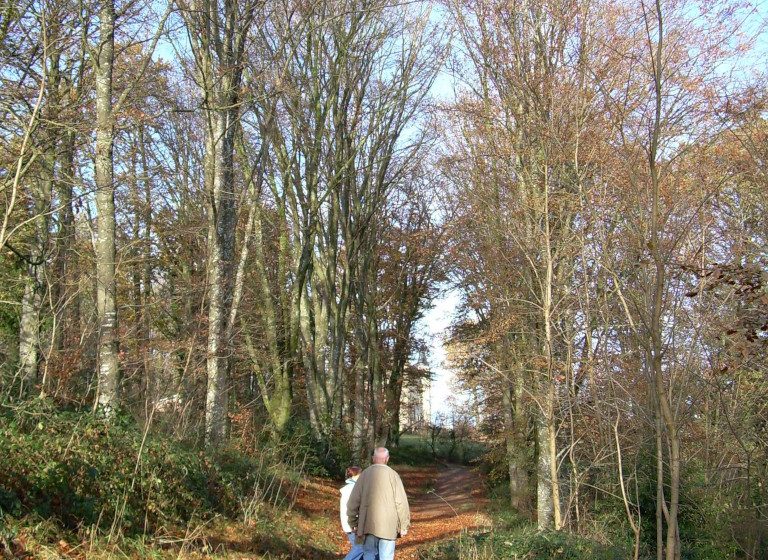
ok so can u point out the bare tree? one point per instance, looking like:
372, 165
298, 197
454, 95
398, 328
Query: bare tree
218, 34
103, 60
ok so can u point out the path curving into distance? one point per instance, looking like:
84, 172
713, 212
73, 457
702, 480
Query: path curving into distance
445, 500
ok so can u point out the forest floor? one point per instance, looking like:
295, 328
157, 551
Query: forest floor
445, 500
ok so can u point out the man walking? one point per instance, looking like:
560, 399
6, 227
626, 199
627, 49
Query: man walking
378, 508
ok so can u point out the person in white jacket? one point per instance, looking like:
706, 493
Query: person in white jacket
356, 553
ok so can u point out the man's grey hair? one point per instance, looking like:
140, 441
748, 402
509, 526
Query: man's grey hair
380, 455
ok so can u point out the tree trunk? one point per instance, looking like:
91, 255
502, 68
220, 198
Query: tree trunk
277, 398
664, 407
660, 500
65, 265
222, 218
361, 415
549, 395
146, 272
218, 34
514, 425
29, 329
142, 264
544, 504
42, 189
394, 385
34, 287
106, 289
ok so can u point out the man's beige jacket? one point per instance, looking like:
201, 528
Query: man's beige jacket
378, 504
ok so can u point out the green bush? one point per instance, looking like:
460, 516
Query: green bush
515, 536
705, 517
416, 450
555, 545
82, 471
525, 542
412, 450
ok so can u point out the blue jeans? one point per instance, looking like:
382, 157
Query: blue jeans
356, 552
373, 545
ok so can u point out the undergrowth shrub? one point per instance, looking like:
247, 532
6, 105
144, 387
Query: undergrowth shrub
84, 472
412, 450
515, 536
419, 450
706, 517
524, 542
712, 526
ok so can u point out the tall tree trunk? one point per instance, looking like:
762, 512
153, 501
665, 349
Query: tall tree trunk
64, 265
514, 428
549, 395
544, 504
279, 355
361, 415
106, 287
146, 273
42, 189
218, 34
400, 355
142, 264
661, 394
34, 287
222, 217
29, 327
660, 500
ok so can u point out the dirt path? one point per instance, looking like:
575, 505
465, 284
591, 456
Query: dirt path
444, 500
